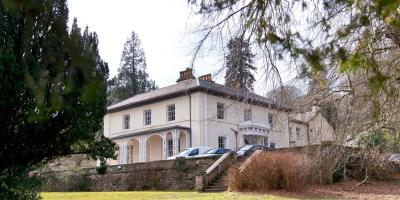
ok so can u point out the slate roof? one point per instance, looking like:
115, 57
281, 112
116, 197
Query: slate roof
190, 86
303, 117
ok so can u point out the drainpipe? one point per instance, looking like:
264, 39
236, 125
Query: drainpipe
308, 134
236, 137
190, 119
287, 128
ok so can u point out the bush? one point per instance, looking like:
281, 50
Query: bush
271, 171
370, 165
380, 140
16, 184
101, 169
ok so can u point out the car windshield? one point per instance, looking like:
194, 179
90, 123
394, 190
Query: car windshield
245, 148
212, 151
184, 152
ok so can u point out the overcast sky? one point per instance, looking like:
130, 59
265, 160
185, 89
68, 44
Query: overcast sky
161, 26
164, 28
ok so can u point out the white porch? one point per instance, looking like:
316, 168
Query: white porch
252, 133
157, 145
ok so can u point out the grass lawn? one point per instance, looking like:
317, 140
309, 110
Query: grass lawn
153, 195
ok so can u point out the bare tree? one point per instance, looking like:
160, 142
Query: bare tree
348, 49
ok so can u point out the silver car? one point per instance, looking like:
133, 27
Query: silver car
191, 152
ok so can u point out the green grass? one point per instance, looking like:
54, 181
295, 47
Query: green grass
154, 195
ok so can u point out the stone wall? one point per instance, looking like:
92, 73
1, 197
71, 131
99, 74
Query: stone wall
157, 175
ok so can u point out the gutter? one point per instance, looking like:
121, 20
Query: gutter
202, 89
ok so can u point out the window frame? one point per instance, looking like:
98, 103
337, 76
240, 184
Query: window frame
270, 117
170, 147
224, 141
298, 133
220, 110
147, 117
126, 120
171, 114
247, 115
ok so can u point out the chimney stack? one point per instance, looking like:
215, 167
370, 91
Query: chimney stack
206, 77
316, 107
185, 75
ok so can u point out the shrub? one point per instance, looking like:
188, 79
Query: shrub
101, 169
380, 140
103, 166
370, 165
271, 171
15, 184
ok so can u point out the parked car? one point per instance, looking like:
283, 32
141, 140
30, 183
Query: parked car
191, 152
214, 152
248, 150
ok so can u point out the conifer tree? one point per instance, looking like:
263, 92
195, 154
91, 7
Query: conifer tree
52, 91
239, 65
132, 77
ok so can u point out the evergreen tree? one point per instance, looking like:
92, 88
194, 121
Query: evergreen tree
52, 91
132, 77
239, 65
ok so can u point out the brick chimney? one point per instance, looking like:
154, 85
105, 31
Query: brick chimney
185, 75
206, 77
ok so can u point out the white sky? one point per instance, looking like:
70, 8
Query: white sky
163, 27
160, 24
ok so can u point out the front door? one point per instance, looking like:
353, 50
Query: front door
255, 139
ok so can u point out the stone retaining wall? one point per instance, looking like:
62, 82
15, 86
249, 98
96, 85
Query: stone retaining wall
157, 175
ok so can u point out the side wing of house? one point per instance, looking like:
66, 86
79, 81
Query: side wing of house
320, 130
298, 133
243, 123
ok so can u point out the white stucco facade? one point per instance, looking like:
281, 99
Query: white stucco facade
195, 113
202, 128
313, 129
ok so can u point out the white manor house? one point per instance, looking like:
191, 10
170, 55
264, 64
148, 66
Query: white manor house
197, 112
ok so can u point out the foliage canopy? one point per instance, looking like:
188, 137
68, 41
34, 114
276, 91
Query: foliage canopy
52, 89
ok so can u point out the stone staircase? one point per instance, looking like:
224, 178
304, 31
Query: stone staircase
219, 184
214, 178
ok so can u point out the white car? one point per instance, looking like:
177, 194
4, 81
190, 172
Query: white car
190, 152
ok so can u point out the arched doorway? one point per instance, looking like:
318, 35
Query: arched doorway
182, 141
133, 151
154, 148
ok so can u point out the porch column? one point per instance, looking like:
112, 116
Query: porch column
241, 140
123, 147
142, 148
164, 145
175, 140
187, 139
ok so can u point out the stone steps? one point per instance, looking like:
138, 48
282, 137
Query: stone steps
218, 185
